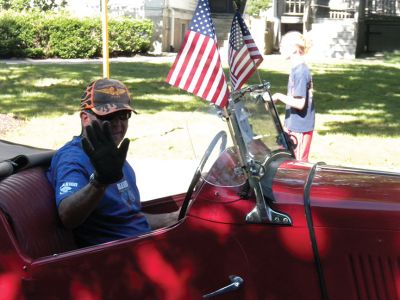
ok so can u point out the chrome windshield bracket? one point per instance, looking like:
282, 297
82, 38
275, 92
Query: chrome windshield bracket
269, 217
262, 213
248, 117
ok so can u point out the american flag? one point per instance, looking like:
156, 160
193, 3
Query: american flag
197, 67
243, 54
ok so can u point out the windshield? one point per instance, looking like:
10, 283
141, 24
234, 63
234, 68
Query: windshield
216, 156
223, 148
259, 125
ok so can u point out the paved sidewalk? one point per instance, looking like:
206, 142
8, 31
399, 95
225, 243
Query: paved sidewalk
151, 58
270, 61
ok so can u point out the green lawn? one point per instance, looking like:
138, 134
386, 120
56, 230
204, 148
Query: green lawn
357, 102
46, 90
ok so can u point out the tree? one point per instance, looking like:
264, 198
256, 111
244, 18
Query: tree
43, 5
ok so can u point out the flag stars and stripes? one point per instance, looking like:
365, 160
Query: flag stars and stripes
203, 16
243, 54
197, 67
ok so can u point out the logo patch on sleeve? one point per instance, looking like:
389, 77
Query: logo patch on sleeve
67, 187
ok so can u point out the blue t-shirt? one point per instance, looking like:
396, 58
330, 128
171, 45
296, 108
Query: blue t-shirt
299, 85
118, 212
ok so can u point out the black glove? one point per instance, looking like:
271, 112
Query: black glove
107, 159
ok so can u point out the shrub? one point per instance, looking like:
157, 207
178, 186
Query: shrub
128, 36
17, 33
8, 35
254, 7
70, 37
31, 34
39, 35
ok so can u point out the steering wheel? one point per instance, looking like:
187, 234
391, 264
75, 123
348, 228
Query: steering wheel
219, 136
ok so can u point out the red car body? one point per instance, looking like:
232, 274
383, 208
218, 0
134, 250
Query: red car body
328, 233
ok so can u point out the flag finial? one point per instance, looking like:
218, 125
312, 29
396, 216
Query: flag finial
237, 4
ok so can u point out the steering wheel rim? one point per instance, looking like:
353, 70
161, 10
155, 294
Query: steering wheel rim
197, 174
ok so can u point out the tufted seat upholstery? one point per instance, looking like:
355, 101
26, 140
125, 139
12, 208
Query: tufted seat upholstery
27, 203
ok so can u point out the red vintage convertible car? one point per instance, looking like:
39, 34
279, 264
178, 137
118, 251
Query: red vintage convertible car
254, 224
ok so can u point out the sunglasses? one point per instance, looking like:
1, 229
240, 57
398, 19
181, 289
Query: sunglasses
120, 115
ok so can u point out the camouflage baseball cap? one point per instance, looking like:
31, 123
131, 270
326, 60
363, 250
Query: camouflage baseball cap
105, 96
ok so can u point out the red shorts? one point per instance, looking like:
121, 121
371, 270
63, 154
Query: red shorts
303, 140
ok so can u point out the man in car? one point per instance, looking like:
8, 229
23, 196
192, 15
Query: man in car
95, 187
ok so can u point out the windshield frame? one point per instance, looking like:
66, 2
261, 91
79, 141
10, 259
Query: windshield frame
257, 167
239, 105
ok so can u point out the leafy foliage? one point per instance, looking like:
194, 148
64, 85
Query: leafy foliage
18, 34
123, 31
254, 7
70, 37
41, 5
39, 35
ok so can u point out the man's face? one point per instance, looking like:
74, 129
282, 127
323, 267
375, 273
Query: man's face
118, 122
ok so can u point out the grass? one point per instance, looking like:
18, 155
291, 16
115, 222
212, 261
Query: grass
392, 57
49, 90
357, 102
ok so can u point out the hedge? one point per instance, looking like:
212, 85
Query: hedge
45, 35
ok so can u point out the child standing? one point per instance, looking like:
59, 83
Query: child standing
300, 110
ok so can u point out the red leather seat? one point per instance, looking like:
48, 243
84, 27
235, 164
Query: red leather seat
27, 202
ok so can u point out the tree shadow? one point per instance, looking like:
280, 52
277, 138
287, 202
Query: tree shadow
42, 90
364, 98
361, 98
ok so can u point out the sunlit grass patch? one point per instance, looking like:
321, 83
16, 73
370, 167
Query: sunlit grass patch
370, 152
51, 82
357, 104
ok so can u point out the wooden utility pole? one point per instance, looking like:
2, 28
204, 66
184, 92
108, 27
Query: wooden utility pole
104, 27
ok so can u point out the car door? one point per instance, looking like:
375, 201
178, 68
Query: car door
356, 216
188, 260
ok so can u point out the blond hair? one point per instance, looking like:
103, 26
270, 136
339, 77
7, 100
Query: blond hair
295, 38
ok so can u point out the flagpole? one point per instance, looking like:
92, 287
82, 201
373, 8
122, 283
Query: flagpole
258, 73
106, 65
228, 118
232, 132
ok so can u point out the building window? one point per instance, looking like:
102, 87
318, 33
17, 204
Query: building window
294, 7
382, 7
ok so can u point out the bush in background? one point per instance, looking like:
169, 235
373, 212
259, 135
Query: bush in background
43, 35
124, 31
18, 35
254, 7
70, 37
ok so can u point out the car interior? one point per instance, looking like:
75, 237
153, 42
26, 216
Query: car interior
29, 218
